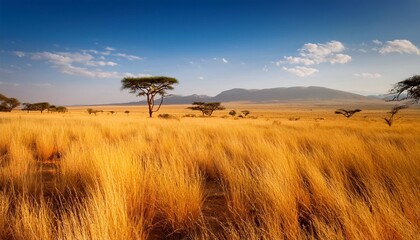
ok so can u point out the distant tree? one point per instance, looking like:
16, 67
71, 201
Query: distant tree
112, 112
127, 112
232, 113
245, 112
410, 86
28, 107
61, 109
347, 113
42, 106
207, 108
52, 108
389, 120
94, 111
8, 104
149, 87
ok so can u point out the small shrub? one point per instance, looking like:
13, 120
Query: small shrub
167, 116
189, 115
245, 112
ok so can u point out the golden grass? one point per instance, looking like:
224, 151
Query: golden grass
75, 176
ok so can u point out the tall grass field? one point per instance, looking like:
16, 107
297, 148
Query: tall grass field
276, 174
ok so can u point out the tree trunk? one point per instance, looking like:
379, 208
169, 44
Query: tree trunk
149, 102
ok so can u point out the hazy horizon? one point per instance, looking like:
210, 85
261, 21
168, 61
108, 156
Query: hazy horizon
75, 53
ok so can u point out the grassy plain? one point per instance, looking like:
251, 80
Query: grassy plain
119, 176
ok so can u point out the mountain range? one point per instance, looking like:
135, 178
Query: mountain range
270, 95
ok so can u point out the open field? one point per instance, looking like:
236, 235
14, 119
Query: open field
118, 176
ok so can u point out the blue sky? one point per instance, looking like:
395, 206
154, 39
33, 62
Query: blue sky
76, 52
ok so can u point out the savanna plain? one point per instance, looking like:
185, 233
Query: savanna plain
280, 173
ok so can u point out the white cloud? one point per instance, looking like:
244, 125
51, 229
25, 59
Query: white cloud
201, 78
78, 63
224, 60
377, 42
297, 60
110, 49
72, 70
128, 57
101, 63
127, 74
301, 71
19, 53
62, 58
316, 53
362, 50
265, 68
368, 75
399, 46
66, 58
106, 53
340, 58
90, 51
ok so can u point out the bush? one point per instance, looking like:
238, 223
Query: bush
189, 115
167, 116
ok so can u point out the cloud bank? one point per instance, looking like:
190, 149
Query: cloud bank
368, 75
399, 46
314, 54
81, 63
301, 71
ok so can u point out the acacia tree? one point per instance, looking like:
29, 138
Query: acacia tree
61, 109
245, 112
207, 108
389, 120
52, 108
410, 86
347, 113
149, 87
8, 104
42, 106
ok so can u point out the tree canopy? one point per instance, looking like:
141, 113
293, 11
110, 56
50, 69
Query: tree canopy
347, 113
207, 108
8, 104
42, 106
410, 86
150, 87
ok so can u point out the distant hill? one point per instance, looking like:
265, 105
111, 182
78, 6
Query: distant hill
271, 95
